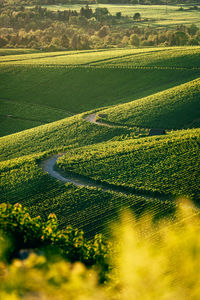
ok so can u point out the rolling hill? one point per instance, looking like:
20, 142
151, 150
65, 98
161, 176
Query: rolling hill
141, 172
174, 108
56, 85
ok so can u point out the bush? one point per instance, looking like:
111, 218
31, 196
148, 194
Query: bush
26, 232
134, 40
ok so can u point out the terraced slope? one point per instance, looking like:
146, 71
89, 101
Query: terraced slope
175, 108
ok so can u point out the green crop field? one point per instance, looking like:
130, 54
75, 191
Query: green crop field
139, 89
154, 15
17, 116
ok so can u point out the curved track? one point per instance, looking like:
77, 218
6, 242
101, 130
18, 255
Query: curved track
49, 165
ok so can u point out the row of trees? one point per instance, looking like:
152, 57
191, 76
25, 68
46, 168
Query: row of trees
142, 2
69, 29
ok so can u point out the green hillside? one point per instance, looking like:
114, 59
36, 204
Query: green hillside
174, 57
57, 136
158, 165
23, 181
139, 172
152, 56
51, 86
18, 116
175, 108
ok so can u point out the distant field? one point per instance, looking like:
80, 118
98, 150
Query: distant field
157, 57
157, 15
65, 83
4, 52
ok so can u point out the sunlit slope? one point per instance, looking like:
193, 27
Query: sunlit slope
77, 81
174, 57
19, 51
175, 108
23, 181
158, 165
57, 136
187, 56
81, 89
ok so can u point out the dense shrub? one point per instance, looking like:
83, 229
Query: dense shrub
25, 232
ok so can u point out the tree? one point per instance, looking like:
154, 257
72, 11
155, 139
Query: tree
179, 38
192, 30
101, 13
134, 40
118, 15
86, 12
137, 16
103, 31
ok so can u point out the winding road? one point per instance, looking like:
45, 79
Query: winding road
49, 166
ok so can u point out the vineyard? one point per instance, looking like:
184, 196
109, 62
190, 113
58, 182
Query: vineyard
17, 116
89, 209
31, 82
178, 57
174, 108
149, 172
139, 163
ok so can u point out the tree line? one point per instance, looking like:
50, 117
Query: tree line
40, 28
141, 2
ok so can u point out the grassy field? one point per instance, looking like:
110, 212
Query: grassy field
157, 15
153, 169
51, 86
187, 56
4, 52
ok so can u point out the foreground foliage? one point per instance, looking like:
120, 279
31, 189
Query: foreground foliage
24, 232
145, 263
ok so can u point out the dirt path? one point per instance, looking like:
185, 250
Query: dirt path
49, 166
92, 119
78, 180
